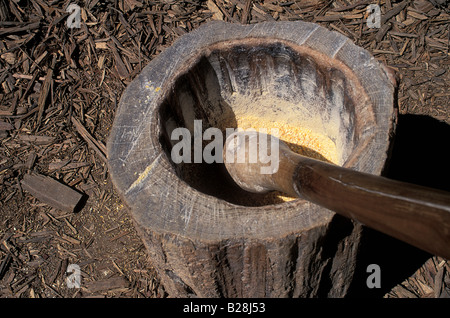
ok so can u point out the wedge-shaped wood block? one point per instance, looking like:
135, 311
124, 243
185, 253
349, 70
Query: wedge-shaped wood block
52, 192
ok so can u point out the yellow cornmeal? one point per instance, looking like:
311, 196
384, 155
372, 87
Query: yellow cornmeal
300, 140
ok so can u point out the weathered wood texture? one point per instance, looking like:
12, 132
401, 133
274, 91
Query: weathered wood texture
317, 262
203, 241
52, 192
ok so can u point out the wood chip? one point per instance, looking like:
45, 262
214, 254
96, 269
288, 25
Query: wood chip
44, 91
17, 29
108, 284
5, 126
52, 192
4, 265
96, 145
417, 15
246, 12
382, 32
438, 282
393, 12
120, 65
31, 159
217, 14
38, 140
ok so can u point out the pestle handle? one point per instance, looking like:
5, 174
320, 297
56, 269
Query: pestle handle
414, 214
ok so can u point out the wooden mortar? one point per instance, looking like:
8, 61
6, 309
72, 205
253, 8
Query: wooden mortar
208, 238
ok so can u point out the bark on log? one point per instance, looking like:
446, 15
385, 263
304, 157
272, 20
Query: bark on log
205, 236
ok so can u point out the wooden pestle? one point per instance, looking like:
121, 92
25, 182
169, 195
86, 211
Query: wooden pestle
414, 214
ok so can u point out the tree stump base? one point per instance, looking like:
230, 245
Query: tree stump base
205, 236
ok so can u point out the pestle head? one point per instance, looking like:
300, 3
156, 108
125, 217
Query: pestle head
253, 161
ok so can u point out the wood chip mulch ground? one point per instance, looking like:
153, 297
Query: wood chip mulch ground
59, 90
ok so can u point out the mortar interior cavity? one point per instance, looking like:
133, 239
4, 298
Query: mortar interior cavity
269, 83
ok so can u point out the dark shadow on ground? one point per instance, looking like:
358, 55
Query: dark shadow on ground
420, 155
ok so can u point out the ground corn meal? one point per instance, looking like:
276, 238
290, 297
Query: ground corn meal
300, 140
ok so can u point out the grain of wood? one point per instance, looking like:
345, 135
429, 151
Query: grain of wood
107, 284
96, 145
36, 139
45, 91
52, 192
